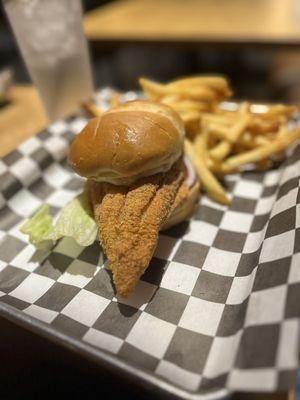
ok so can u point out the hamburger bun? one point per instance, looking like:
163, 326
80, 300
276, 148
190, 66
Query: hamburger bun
135, 140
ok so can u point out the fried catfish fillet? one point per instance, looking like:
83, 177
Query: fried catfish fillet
129, 220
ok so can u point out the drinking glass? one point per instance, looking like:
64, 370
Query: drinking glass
50, 37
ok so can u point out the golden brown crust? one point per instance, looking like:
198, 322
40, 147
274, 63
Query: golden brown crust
129, 220
107, 201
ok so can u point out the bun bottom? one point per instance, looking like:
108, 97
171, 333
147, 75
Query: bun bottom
185, 209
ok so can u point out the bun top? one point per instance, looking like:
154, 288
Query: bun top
137, 139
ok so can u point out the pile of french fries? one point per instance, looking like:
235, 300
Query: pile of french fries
190, 97
220, 141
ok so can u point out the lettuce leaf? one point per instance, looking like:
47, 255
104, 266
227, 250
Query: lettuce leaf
39, 227
75, 220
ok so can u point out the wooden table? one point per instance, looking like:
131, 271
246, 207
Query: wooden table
21, 118
269, 22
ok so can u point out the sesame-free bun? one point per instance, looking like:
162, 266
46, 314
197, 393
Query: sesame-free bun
137, 139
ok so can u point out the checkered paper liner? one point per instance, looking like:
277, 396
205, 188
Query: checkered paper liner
218, 306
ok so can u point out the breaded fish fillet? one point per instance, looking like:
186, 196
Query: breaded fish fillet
129, 220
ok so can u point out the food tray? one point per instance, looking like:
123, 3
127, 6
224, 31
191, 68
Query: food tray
217, 310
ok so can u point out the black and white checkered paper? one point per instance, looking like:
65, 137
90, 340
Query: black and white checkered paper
219, 305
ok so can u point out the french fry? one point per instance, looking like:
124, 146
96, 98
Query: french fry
156, 91
170, 99
279, 109
219, 131
218, 118
238, 128
188, 116
260, 126
220, 151
220, 169
115, 100
92, 109
224, 147
260, 141
282, 131
224, 141
153, 90
244, 107
261, 153
252, 141
208, 180
214, 82
187, 105
201, 142
201, 93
